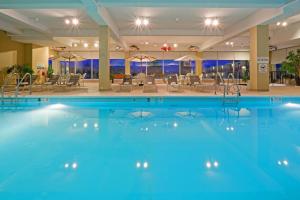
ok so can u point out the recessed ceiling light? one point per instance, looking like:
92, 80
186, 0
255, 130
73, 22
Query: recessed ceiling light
284, 24
85, 45
75, 45
208, 22
165, 45
227, 43
278, 23
215, 22
231, 43
175, 45
96, 45
146, 22
67, 21
138, 22
75, 21
146, 43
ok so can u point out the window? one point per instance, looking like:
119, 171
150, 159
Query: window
117, 66
171, 67
95, 68
85, 67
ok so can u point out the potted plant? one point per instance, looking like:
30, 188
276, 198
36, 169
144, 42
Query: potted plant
292, 65
20, 69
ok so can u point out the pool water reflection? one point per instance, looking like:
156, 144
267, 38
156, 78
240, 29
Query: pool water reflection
150, 151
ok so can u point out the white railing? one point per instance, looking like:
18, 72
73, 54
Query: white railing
22, 81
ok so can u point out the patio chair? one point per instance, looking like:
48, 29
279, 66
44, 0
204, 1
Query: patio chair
196, 83
149, 85
126, 86
173, 83
53, 80
74, 80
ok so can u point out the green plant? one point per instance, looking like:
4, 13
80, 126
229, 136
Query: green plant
50, 71
26, 69
20, 69
292, 63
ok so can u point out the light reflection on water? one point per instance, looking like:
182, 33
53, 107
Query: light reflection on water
157, 152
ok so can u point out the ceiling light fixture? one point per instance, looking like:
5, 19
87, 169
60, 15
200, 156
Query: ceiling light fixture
96, 45
284, 23
165, 45
215, 22
85, 45
75, 21
229, 43
138, 22
175, 45
146, 43
75, 45
145, 22
278, 23
208, 22
67, 21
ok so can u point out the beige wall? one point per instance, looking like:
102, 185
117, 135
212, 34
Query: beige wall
40, 57
280, 55
7, 45
259, 47
208, 55
8, 58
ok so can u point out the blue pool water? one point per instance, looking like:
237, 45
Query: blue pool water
150, 148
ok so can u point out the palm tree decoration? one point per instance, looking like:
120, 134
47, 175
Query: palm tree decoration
292, 65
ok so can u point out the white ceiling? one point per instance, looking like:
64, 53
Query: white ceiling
177, 18
176, 21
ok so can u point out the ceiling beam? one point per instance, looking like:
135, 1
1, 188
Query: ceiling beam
25, 20
9, 28
259, 17
39, 4
195, 3
101, 16
283, 35
172, 32
291, 9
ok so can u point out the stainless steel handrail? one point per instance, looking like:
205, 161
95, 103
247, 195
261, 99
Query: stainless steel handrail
22, 81
228, 86
221, 79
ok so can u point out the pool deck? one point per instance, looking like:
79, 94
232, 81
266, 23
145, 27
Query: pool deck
91, 89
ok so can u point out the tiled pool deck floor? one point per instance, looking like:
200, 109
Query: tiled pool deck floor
91, 89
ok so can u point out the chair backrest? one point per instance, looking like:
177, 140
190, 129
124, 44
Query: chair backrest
33, 78
150, 80
127, 79
53, 79
194, 79
172, 79
74, 79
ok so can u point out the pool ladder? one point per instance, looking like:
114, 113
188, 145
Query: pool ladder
234, 98
9, 78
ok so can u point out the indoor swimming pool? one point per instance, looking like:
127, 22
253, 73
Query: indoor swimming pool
60, 148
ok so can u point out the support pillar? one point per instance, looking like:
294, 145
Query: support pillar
198, 64
104, 71
28, 54
259, 58
127, 63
